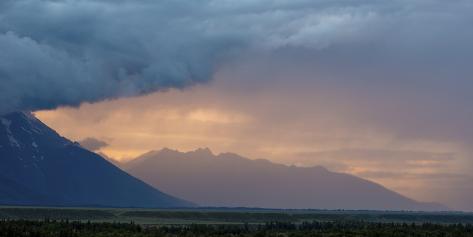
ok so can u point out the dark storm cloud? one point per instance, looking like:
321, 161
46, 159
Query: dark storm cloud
66, 52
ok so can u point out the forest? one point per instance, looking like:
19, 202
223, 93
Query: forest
65, 228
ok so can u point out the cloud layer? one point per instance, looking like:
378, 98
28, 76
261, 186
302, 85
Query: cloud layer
67, 52
353, 85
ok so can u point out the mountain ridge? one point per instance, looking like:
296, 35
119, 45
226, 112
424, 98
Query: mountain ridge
255, 179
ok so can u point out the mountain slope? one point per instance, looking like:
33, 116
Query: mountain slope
39, 167
231, 180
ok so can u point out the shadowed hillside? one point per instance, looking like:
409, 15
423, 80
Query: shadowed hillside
39, 167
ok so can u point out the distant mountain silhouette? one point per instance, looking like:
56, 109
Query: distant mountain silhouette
233, 181
39, 167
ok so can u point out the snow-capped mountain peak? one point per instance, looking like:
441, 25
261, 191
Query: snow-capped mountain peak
39, 167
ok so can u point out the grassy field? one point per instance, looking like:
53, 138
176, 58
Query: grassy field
226, 216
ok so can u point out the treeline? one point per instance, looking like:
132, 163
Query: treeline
229, 215
240, 216
48, 228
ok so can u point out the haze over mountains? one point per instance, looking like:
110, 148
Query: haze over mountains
39, 167
233, 181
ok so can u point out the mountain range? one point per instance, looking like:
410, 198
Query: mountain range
229, 180
39, 167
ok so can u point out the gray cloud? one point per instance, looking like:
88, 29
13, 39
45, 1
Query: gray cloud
386, 163
67, 52
93, 144
412, 176
381, 155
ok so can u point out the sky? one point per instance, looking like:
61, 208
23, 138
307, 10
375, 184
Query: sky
378, 89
